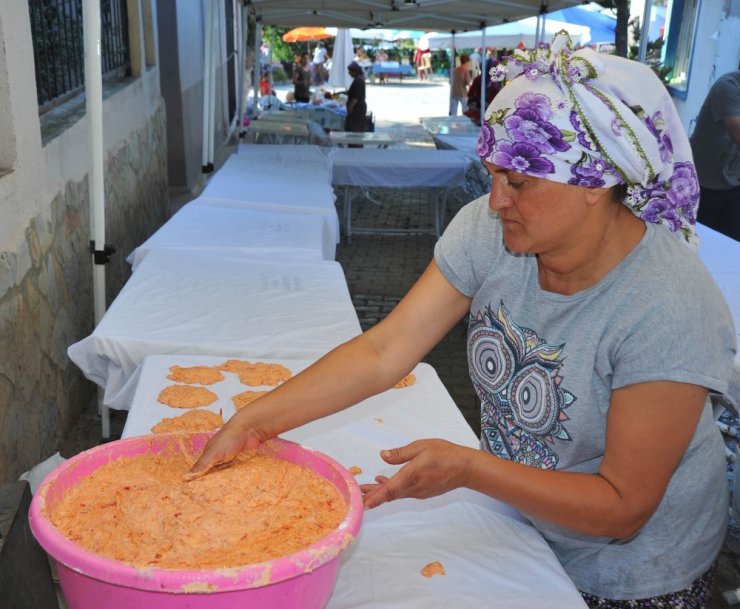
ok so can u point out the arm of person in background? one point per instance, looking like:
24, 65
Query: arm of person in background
732, 123
615, 502
368, 364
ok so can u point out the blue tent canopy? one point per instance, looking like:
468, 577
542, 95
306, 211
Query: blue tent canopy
602, 26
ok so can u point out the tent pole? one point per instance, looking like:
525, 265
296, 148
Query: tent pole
96, 179
243, 42
483, 74
644, 31
208, 14
453, 61
257, 65
215, 52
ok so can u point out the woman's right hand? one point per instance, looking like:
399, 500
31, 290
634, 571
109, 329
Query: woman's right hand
234, 437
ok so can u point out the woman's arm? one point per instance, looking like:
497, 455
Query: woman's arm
368, 364
649, 428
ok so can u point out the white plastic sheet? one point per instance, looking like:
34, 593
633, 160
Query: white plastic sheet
492, 557
721, 255
242, 232
398, 167
207, 303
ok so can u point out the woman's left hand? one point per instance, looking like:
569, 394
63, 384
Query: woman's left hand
432, 467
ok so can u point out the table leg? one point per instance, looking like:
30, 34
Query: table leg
347, 212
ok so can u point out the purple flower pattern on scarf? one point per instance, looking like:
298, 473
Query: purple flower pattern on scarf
591, 175
522, 158
486, 140
530, 134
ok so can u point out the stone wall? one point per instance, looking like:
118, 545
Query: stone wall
46, 295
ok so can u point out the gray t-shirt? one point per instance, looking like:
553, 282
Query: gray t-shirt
716, 155
544, 366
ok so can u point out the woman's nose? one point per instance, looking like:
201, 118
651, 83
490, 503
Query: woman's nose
500, 196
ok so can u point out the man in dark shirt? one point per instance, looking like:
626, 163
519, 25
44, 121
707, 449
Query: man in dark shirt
716, 146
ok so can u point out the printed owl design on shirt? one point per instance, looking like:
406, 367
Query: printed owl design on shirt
517, 378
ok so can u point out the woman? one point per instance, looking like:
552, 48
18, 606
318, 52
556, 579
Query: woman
302, 80
356, 106
595, 337
492, 88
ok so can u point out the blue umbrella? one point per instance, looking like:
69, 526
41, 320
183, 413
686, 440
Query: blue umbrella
602, 26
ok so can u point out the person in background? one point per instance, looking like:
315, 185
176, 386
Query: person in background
426, 64
302, 79
319, 59
356, 105
716, 145
380, 57
492, 88
595, 337
459, 87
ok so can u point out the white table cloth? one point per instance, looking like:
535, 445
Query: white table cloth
721, 255
283, 154
207, 303
242, 232
464, 143
449, 125
283, 181
491, 556
398, 167
440, 170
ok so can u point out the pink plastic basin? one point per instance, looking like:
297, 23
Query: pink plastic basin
303, 579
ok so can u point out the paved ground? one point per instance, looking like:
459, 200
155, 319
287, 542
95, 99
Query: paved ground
380, 269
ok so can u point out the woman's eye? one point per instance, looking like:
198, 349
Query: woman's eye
516, 185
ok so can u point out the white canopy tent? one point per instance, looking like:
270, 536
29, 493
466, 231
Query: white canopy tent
428, 15
343, 55
510, 35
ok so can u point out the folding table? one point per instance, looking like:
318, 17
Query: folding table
370, 138
449, 125
438, 170
492, 557
241, 232
208, 303
295, 179
721, 255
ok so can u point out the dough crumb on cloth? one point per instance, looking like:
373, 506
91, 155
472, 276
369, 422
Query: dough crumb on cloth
192, 420
139, 510
406, 381
432, 569
186, 396
257, 374
199, 375
245, 399
355, 470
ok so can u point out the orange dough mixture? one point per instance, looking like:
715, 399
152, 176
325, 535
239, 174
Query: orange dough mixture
432, 569
201, 375
192, 420
406, 381
139, 510
185, 396
244, 399
257, 374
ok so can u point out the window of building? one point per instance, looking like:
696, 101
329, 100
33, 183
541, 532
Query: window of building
672, 29
58, 47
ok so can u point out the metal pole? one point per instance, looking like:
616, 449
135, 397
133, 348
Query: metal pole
207, 43
644, 31
94, 108
483, 74
257, 65
215, 53
242, 66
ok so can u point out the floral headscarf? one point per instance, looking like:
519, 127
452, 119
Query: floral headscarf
596, 120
